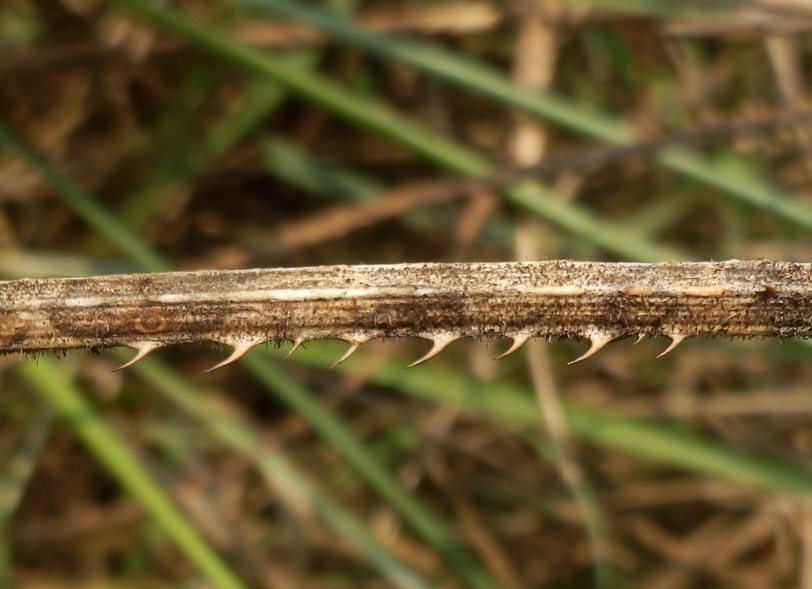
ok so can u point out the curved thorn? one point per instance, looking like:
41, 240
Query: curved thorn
439, 342
676, 339
354, 345
639, 339
240, 348
518, 341
597, 341
295, 347
142, 348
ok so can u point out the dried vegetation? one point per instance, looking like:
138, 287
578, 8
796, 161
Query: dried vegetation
231, 135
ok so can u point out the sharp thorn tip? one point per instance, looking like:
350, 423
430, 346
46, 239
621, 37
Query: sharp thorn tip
439, 343
597, 341
295, 347
142, 349
350, 351
639, 339
518, 341
676, 339
240, 348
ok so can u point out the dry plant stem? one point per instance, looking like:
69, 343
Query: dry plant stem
340, 220
600, 302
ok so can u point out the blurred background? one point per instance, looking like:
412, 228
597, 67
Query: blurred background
149, 136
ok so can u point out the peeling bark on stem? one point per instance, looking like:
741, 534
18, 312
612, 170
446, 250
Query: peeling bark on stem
600, 302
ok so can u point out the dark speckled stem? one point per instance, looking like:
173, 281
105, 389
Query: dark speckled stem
440, 302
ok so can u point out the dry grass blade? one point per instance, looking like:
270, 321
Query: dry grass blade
597, 301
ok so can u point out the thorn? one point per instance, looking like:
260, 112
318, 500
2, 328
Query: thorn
639, 339
240, 348
597, 341
676, 339
440, 342
518, 341
142, 348
295, 347
354, 345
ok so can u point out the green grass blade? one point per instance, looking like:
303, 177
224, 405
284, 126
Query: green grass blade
515, 404
17, 469
102, 442
243, 438
260, 98
333, 182
447, 66
687, 9
20, 465
83, 204
43, 264
478, 77
332, 429
169, 138
299, 168
614, 237
376, 117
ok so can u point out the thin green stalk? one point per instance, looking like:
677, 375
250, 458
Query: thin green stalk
20, 464
99, 438
41, 264
83, 204
243, 438
330, 181
514, 404
331, 428
736, 180
170, 136
376, 117
18, 467
685, 9
260, 98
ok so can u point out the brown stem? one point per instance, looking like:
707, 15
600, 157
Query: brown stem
601, 302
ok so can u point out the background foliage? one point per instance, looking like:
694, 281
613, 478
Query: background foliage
137, 136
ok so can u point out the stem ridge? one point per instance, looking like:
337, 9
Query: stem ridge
598, 301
